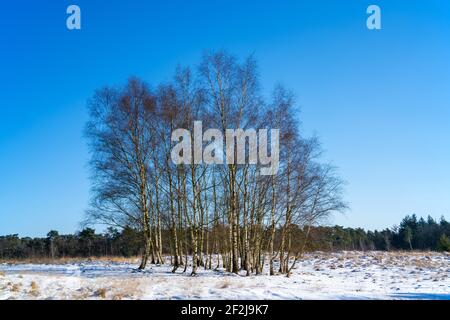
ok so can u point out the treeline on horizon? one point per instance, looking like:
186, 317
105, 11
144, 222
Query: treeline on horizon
412, 234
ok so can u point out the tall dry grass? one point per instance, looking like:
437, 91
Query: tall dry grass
68, 260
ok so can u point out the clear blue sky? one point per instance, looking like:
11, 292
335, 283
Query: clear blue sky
379, 100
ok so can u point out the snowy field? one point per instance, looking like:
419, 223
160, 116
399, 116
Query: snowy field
344, 275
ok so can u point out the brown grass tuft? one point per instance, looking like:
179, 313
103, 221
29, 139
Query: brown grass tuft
16, 287
100, 293
67, 260
34, 289
34, 286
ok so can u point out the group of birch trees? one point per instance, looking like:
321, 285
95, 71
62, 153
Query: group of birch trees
206, 216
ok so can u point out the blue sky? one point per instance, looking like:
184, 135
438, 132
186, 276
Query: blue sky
379, 100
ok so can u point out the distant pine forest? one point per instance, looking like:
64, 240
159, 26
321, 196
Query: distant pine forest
411, 234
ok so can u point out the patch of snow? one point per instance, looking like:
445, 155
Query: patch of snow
342, 275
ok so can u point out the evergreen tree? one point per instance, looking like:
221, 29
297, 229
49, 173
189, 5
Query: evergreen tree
444, 243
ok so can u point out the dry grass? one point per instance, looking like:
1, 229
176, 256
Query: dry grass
379, 256
40, 260
80, 294
16, 287
34, 289
110, 290
100, 293
34, 285
2, 274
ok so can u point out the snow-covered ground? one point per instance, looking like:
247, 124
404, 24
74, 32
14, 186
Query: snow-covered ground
343, 275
